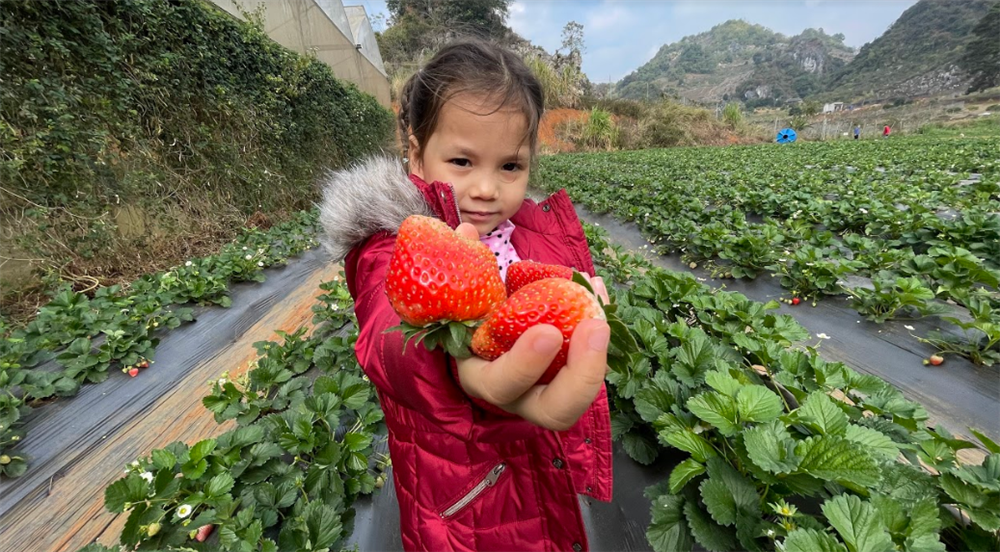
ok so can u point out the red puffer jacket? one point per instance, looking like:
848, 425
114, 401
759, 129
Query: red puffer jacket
467, 478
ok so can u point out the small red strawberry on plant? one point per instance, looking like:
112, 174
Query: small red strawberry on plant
133, 371
556, 301
796, 300
441, 284
523, 273
203, 532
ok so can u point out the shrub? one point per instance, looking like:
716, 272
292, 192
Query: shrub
170, 109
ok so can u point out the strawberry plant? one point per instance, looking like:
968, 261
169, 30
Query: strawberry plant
811, 271
890, 295
87, 336
286, 476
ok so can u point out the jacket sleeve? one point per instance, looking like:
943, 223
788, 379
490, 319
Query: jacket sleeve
416, 379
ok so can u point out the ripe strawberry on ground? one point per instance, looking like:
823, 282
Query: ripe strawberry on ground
796, 300
523, 273
441, 283
935, 360
133, 371
556, 301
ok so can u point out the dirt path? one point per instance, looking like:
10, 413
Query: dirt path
80, 445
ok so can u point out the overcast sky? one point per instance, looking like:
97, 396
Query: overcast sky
621, 35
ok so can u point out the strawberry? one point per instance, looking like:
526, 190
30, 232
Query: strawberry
143, 364
936, 360
523, 273
556, 301
796, 300
133, 371
441, 283
203, 532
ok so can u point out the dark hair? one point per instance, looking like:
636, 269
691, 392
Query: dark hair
471, 67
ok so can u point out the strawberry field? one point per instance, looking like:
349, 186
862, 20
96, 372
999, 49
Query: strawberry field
905, 229
753, 440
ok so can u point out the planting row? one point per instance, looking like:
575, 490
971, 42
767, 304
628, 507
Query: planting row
918, 218
77, 339
784, 451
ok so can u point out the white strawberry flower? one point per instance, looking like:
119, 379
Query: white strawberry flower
147, 476
260, 263
909, 327
184, 510
822, 336
189, 263
248, 257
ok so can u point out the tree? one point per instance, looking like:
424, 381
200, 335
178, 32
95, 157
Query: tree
982, 54
485, 17
572, 39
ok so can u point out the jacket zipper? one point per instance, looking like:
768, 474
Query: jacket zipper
458, 212
487, 482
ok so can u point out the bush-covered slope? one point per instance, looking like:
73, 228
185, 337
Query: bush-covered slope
139, 130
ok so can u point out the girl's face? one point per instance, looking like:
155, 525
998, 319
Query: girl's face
483, 153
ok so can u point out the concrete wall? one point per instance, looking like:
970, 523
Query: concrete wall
323, 28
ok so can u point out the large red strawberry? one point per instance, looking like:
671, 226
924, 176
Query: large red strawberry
441, 283
556, 301
523, 273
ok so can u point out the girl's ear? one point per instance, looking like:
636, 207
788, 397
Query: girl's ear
413, 154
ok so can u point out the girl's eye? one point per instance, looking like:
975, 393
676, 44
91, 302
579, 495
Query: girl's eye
511, 167
460, 162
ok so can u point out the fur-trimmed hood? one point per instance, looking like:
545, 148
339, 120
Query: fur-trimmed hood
373, 195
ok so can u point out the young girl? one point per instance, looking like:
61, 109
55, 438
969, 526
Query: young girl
483, 459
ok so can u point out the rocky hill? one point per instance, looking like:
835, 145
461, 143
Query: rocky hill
740, 61
917, 55
737, 60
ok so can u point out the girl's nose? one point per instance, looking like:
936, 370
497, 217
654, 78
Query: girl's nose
485, 187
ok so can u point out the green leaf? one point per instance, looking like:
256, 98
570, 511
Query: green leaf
163, 459
323, 524
695, 357
837, 459
857, 523
667, 530
219, 485
130, 489
684, 472
716, 409
962, 492
356, 442
201, 449
709, 534
771, 447
727, 494
809, 540
872, 440
653, 401
757, 403
640, 448
820, 414
691, 442
986, 441
723, 382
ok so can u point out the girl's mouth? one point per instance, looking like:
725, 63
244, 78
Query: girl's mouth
477, 216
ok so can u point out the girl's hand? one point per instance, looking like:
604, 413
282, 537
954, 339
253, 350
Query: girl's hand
509, 381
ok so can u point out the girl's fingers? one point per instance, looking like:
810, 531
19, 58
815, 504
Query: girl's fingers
560, 404
516, 371
600, 289
467, 230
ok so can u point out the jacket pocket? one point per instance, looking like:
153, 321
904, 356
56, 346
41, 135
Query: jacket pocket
487, 483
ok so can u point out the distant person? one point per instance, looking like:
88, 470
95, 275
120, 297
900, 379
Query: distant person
886, 131
857, 132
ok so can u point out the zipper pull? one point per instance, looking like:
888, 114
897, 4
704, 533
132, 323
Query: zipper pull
494, 474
